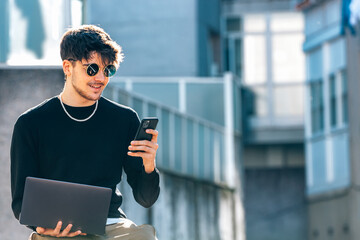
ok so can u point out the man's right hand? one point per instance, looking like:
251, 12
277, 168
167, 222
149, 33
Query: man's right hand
57, 231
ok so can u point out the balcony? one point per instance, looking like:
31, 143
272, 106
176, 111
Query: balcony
274, 114
198, 136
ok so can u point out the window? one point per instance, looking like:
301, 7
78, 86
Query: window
266, 53
288, 61
255, 23
317, 106
261, 100
344, 96
233, 49
258, 32
238, 57
214, 54
333, 105
255, 65
288, 57
233, 24
227, 55
294, 101
337, 82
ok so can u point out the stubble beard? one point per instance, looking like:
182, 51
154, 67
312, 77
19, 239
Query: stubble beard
84, 94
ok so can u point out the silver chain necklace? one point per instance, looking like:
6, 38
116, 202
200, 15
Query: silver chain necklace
75, 119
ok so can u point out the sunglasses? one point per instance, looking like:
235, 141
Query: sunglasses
92, 69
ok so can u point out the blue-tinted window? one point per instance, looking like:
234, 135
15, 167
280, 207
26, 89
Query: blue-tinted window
344, 96
333, 105
317, 106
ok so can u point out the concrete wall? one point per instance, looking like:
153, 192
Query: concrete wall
329, 217
20, 89
275, 204
186, 209
275, 200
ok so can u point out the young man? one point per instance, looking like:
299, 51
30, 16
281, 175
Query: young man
82, 137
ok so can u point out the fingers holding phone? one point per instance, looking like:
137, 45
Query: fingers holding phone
141, 146
145, 144
154, 134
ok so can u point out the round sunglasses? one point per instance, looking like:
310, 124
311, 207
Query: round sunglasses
92, 69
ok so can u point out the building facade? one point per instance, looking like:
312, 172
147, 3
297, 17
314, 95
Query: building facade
331, 119
163, 38
262, 42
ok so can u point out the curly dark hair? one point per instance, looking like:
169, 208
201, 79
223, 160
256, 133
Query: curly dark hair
81, 42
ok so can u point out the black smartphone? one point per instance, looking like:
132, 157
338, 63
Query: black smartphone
146, 123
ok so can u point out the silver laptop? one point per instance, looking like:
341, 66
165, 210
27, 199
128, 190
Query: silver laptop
47, 201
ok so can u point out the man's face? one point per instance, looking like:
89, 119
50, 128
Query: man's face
88, 87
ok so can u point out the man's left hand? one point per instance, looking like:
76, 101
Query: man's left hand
148, 150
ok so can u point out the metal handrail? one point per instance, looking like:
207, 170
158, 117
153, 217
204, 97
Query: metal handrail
205, 172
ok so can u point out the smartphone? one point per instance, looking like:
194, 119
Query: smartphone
146, 123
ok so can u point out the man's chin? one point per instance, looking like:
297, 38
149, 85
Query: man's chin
93, 97
89, 94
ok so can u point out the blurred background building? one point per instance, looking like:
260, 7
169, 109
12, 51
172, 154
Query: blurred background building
331, 119
257, 103
263, 48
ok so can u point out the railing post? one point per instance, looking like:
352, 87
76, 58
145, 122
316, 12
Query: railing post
182, 96
128, 85
229, 129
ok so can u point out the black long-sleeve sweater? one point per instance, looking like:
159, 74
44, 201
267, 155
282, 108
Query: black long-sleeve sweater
46, 143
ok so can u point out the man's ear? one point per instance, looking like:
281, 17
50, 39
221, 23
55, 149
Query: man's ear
67, 68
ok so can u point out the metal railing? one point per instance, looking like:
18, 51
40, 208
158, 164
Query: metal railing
188, 145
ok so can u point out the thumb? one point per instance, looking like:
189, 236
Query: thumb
40, 230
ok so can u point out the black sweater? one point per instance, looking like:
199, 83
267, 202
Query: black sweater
46, 143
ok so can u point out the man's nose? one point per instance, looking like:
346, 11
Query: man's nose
100, 76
